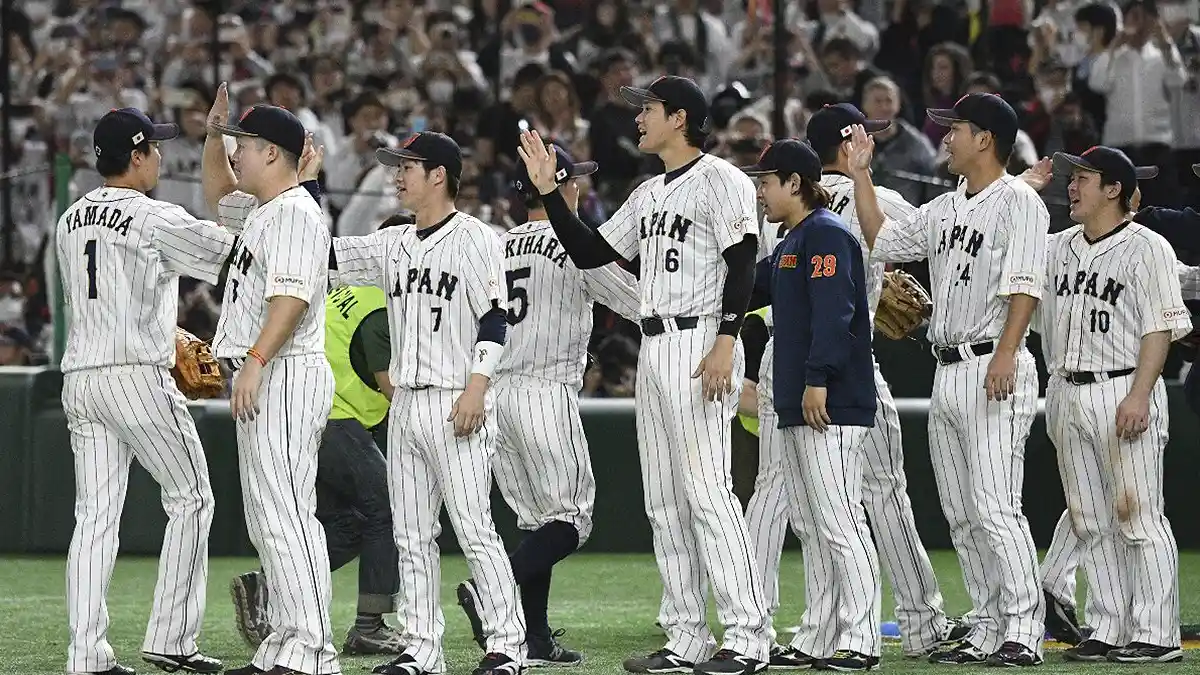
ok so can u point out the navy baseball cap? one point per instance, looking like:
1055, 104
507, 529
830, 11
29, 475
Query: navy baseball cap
120, 131
1112, 165
677, 92
830, 126
565, 169
986, 111
427, 146
787, 156
270, 123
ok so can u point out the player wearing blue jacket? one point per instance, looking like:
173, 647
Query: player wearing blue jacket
823, 382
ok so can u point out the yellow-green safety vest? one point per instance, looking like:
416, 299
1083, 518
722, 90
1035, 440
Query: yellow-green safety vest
751, 423
345, 310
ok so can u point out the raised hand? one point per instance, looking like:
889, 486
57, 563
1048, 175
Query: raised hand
540, 162
311, 159
1038, 175
862, 149
219, 113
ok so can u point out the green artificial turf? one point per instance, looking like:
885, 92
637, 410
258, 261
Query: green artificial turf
607, 604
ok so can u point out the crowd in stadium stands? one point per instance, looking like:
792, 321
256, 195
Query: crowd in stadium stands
363, 73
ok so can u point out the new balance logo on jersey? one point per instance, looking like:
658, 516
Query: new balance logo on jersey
422, 279
959, 239
539, 244
1088, 284
657, 227
97, 216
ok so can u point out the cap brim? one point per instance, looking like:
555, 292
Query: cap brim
1196, 170
875, 126
944, 116
164, 132
756, 170
1065, 164
390, 157
1145, 172
233, 130
637, 97
583, 169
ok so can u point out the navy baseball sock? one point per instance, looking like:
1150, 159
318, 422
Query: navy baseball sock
540, 550
535, 598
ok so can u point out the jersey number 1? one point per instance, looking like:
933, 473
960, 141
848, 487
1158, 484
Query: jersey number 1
89, 250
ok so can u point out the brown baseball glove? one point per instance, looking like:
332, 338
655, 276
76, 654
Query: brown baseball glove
903, 305
196, 372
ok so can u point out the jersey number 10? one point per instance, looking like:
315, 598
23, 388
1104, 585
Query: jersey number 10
89, 250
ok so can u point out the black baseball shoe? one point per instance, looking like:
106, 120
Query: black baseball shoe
383, 640
497, 664
958, 653
544, 650
1089, 650
1140, 652
1014, 655
401, 665
115, 670
847, 661
249, 593
195, 663
250, 669
661, 661
789, 658
955, 630
1061, 623
729, 662
468, 599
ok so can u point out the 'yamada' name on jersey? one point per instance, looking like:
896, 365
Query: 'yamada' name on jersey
100, 216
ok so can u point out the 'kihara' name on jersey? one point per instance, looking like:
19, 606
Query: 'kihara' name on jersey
100, 216
545, 245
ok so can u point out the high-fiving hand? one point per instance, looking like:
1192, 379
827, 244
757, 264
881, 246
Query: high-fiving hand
540, 162
862, 149
1038, 175
311, 159
219, 113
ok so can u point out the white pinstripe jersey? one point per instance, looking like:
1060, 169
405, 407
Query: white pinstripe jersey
1189, 280
438, 290
120, 255
1101, 298
550, 304
894, 207
769, 236
283, 250
980, 250
680, 229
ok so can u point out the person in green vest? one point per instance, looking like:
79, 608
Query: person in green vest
352, 489
745, 425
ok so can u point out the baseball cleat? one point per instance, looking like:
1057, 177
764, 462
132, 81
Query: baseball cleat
1014, 655
1061, 622
1089, 650
1140, 652
729, 662
497, 664
250, 669
958, 653
847, 661
661, 661
382, 640
544, 650
789, 658
249, 593
195, 663
401, 665
115, 670
468, 599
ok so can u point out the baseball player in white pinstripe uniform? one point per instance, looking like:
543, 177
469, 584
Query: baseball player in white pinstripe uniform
919, 605
1112, 306
695, 230
448, 329
985, 243
272, 334
120, 255
542, 467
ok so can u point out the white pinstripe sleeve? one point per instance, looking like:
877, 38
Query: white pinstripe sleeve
903, 239
188, 246
614, 288
732, 204
621, 231
297, 253
234, 208
360, 259
1027, 222
893, 205
484, 272
1157, 288
1189, 280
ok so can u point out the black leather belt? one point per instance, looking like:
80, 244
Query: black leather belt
1093, 378
947, 355
656, 326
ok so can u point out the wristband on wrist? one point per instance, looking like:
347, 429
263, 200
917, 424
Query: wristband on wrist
487, 357
252, 352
